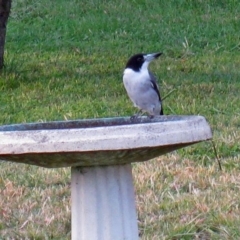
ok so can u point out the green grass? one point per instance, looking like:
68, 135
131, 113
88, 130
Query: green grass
64, 60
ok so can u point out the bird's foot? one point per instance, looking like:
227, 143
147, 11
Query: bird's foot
137, 115
150, 116
134, 117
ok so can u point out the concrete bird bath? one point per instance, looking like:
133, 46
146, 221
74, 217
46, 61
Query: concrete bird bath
100, 153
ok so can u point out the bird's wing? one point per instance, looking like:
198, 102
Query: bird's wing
155, 87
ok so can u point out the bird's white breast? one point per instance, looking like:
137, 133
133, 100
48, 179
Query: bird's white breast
140, 90
134, 80
136, 84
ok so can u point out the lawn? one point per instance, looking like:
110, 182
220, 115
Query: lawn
64, 60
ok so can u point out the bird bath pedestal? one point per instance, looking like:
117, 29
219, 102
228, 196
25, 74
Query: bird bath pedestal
100, 153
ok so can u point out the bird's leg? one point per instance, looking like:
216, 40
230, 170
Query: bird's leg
135, 116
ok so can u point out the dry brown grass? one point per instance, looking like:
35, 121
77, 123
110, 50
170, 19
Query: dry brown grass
177, 198
39, 209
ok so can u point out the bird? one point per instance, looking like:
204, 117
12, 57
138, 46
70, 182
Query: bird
141, 85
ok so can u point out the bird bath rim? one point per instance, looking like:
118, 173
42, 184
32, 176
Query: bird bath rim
96, 142
93, 122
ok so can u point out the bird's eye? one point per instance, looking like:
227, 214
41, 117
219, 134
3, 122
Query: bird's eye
139, 59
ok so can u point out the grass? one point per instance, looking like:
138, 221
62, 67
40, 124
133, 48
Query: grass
65, 60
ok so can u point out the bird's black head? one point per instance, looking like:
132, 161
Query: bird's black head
136, 61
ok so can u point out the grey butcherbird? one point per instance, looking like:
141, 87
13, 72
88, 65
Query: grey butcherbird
141, 85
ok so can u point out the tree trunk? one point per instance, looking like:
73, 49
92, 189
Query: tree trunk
5, 6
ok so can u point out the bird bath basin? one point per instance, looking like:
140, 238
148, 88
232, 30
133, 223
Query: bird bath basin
100, 152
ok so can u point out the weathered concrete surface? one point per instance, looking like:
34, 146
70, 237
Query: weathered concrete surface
94, 142
103, 203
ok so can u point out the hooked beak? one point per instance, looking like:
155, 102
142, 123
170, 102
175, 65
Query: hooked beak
151, 56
